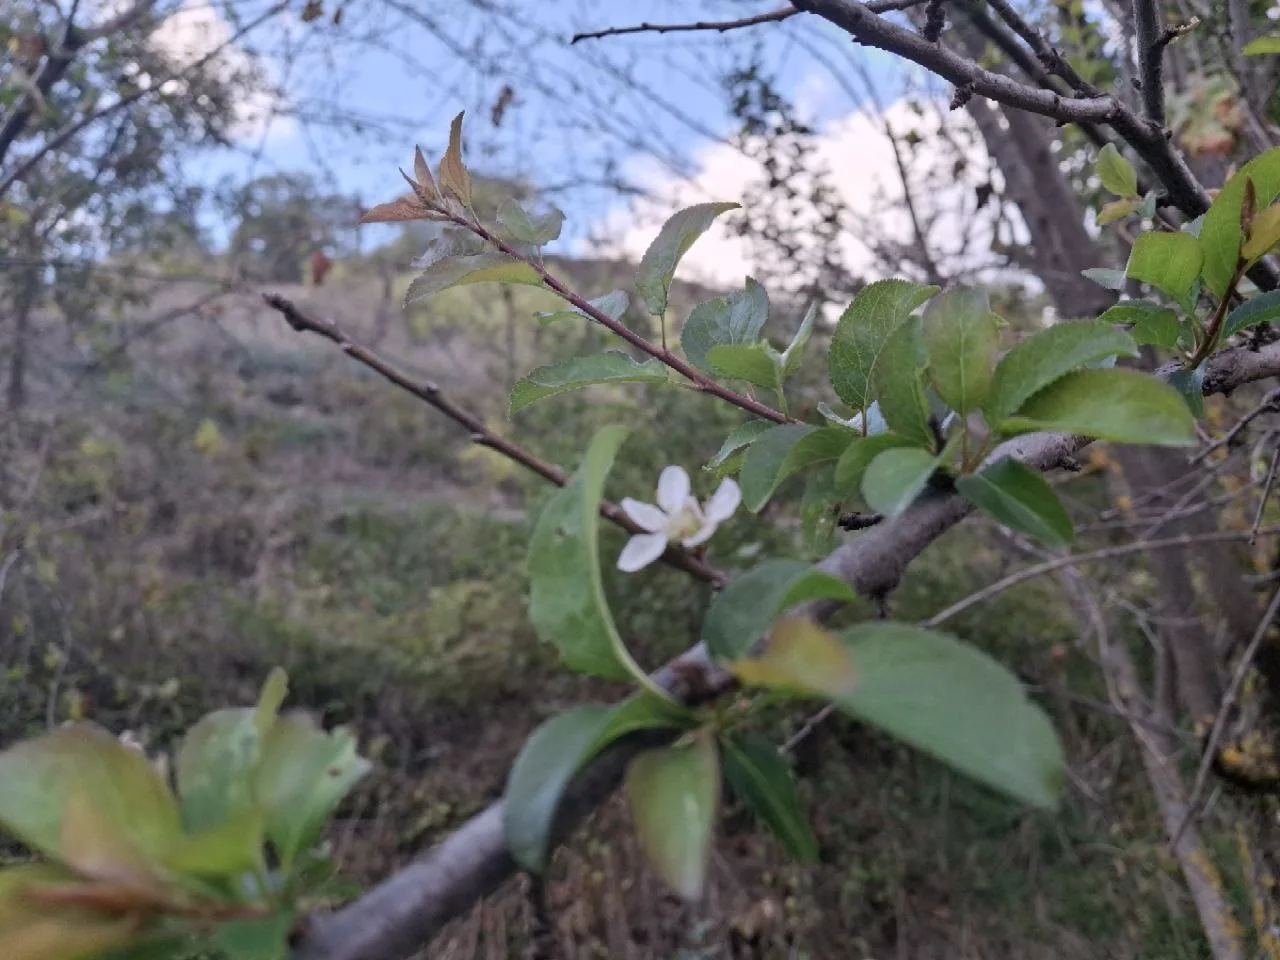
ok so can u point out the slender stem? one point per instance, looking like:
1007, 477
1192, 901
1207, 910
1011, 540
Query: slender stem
1210, 341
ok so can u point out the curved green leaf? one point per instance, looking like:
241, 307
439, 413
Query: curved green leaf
567, 603
794, 354
1117, 173
961, 337
476, 268
739, 438
1262, 46
800, 659
819, 512
1021, 500
956, 703
1105, 277
1039, 361
1151, 323
658, 265
1190, 386
1220, 234
577, 372
863, 331
535, 229
674, 794
760, 778
613, 305
899, 384
896, 477
733, 319
1120, 405
756, 363
264, 938
853, 463
745, 610
782, 451
1264, 308
215, 767
1168, 261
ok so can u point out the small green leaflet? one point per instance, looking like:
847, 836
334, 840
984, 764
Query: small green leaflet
658, 265
759, 777
1220, 234
794, 354
1151, 324
576, 372
1264, 308
1039, 361
896, 477
899, 383
1124, 406
477, 268
674, 795
1020, 499
567, 603
745, 610
553, 754
853, 463
1170, 262
782, 451
756, 363
862, 333
1190, 386
1262, 46
954, 702
739, 438
537, 230
215, 767
612, 305
1105, 277
733, 319
819, 512
1117, 173
961, 337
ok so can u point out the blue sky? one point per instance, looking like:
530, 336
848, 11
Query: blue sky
646, 103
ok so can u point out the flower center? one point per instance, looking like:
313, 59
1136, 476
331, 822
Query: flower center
685, 523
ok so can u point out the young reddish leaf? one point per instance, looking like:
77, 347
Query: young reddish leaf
401, 210
425, 185
674, 794
454, 176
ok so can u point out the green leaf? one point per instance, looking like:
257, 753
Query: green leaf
801, 659
263, 939
1264, 308
745, 610
1168, 261
1020, 499
819, 512
1117, 173
578, 372
658, 265
674, 793
863, 332
1117, 210
229, 850
1220, 235
782, 451
1152, 324
1049, 355
1264, 233
45, 931
304, 775
567, 602
753, 362
215, 767
961, 337
876, 423
954, 702
558, 749
736, 318
613, 305
761, 779
475, 268
896, 477
1190, 386
853, 463
1124, 406
1105, 277
739, 438
794, 354
38, 777
899, 383
538, 230
1262, 46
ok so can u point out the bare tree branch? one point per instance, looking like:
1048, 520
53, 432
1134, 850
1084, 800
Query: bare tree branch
1148, 20
718, 26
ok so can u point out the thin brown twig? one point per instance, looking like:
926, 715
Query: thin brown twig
1270, 403
717, 26
481, 435
1266, 493
1220, 721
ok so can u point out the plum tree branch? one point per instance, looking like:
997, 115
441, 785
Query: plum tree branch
1148, 22
405, 911
481, 435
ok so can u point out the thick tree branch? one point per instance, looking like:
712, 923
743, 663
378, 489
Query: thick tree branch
481, 435
1148, 21
408, 909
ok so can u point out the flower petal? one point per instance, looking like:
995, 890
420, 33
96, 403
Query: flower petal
645, 515
640, 551
724, 501
673, 489
702, 536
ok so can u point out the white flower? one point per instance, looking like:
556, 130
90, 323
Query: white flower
678, 516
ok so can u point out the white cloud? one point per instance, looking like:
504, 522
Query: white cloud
860, 157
